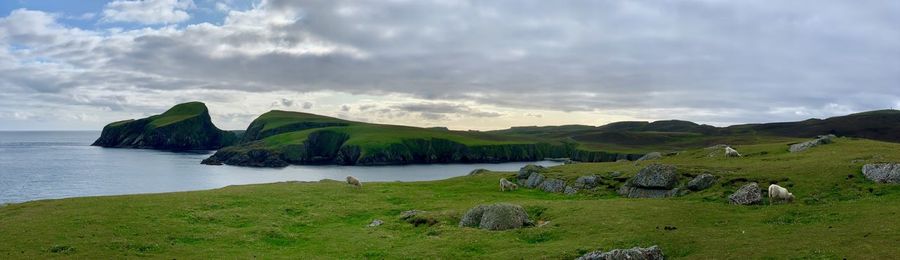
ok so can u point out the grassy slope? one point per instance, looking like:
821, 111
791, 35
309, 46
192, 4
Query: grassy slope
178, 113
835, 216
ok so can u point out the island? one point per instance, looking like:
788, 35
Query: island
185, 126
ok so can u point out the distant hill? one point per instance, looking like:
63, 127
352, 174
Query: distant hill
183, 127
881, 125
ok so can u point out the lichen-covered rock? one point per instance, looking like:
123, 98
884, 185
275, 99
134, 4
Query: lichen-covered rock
553, 185
534, 180
747, 195
820, 140
636, 253
701, 182
500, 216
587, 182
882, 172
635, 192
529, 169
570, 190
656, 176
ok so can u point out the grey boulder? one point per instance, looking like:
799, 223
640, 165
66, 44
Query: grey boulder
553, 185
534, 180
820, 140
570, 190
500, 216
636, 253
656, 176
587, 182
701, 182
747, 195
882, 172
528, 170
650, 156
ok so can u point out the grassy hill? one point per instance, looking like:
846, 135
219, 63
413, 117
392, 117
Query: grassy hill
183, 127
837, 214
279, 138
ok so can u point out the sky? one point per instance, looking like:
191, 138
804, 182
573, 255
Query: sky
78, 65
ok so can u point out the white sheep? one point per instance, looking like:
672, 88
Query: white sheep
506, 185
354, 181
778, 193
731, 152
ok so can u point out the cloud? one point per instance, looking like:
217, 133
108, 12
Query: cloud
307, 105
345, 108
147, 11
709, 61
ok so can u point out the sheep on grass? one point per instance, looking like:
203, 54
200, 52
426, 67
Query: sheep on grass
354, 181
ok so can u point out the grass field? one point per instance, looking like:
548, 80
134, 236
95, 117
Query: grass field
838, 214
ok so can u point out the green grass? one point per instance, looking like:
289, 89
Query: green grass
838, 214
178, 113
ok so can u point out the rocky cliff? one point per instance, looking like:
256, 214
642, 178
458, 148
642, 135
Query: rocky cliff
183, 127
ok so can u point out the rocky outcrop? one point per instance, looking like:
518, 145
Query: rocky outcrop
478, 171
534, 180
570, 190
820, 140
882, 172
500, 216
748, 194
650, 156
417, 217
636, 253
701, 182
183, 127
553, 185
527, 170
587, 182
654, 181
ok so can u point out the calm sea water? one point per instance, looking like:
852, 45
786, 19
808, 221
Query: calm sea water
48, 165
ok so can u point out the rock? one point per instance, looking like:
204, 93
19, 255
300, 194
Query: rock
636, 253
701, 182
820, 140
882, 172
716, 147
747, 195
553, 185
526, 171
478, 171
500, 216
635, 192
376, 223
570, 190
417, 217
587, 182
656, 176
650, 156
731, 152
534, 180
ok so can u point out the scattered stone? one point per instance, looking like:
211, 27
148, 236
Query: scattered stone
553, 185
478, 171
376, 223
534, 180
747, 195
820, 140
636, 253
701, 182
882, 172
528, 170
587, 182
658, 176
650, 156
500, 216
570, 190
731, 152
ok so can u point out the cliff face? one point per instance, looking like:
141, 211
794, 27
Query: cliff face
331, 147
183, 127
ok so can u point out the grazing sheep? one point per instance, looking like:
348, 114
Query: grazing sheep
778, 193
506, 185
731, 152
354, 181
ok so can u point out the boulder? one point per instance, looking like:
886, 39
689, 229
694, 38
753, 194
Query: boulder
636, 253
534, 180
747, 195
656, 176
500, 216
526, 171
553, 185
882, 172
570, 190
417, 217
587, 182
635, 192
701, 182
376, 223
820, 140
650, 156
478, 171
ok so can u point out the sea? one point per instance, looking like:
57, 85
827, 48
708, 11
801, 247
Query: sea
38, 165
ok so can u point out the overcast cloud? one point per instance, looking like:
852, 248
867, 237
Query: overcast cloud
463, 64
